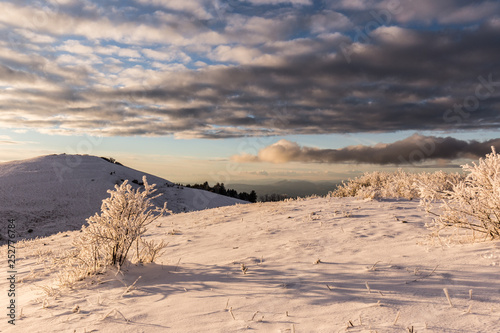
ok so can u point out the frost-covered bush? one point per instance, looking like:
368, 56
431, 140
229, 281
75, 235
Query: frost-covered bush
399, 184
473, 203
110, 235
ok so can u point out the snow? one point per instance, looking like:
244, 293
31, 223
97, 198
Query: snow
312, 265
52, 193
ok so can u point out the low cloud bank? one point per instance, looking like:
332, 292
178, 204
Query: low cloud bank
414, 149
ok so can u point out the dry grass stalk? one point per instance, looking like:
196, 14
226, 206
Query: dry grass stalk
373, 267
231, 312
178, 262
397, 317
131, 286
115, 311
424, 276
448, 296
368, 287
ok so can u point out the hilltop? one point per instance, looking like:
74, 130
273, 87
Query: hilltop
58, 192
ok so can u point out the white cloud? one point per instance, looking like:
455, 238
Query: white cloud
200, 64
195, 7
329, 21
276, 2
59, 23
238, 54
36, 37
129, 53
168, 67
396, 35
74, 46
167, 54
257, 30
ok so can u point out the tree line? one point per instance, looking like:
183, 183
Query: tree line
219, 188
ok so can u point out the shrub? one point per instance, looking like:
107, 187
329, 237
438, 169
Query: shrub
399, 184
473, 203
110, 235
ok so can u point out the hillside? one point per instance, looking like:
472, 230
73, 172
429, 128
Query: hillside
313, 265
58, 192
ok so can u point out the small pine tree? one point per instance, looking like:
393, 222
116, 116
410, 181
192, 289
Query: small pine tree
253, 196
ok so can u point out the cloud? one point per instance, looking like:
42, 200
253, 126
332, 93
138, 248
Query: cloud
8, 75
329, 20
238, 54
414, 149
275, 2
74, 46
423, 11
220, 69
7, 140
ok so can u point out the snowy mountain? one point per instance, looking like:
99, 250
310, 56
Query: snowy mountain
58, 192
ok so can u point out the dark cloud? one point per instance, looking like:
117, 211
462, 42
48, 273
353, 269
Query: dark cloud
412, 150
284, 73
10, 75
425, 12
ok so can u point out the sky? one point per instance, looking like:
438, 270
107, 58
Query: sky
252, 91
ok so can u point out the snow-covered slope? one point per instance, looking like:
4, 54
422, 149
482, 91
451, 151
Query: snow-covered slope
58, 192
316, 265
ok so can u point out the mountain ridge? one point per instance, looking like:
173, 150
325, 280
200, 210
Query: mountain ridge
44, 191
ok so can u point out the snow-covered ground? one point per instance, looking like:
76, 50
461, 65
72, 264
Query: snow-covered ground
313, 265
58, 192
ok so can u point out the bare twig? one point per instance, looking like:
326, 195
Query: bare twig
178, 262
424, 276
114, 311
231, 312
254, 315
447, 296
131, 286
373, 267
397, 317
